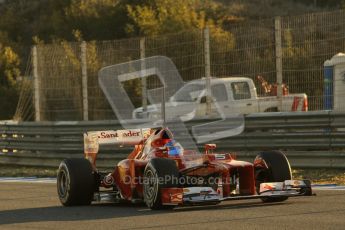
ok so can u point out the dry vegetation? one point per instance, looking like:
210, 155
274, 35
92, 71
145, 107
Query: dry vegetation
24, 171
321, 176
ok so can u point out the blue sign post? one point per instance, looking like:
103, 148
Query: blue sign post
328, 88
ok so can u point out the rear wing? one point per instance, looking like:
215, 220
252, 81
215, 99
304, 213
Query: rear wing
93, 139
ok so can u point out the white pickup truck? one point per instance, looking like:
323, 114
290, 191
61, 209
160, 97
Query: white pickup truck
231, 95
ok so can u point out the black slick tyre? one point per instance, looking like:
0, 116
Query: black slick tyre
156, 172
75, 182
278, 170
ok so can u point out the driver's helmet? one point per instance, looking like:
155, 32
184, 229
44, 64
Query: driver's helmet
174, 149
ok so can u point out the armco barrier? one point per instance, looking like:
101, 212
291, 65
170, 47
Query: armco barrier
312, 139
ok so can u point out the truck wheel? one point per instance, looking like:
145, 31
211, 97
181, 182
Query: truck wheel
278, 170
154, 180
75, 182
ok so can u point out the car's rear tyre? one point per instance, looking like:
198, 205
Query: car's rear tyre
155, 174
278, 170
75, 182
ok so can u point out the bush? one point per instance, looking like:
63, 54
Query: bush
8, 102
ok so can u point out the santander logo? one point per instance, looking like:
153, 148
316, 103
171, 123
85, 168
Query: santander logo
109, 135
105, 135
131, 134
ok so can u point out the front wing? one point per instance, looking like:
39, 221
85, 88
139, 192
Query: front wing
207, 195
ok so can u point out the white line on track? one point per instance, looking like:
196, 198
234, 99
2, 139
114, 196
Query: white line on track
28, 179
328, 187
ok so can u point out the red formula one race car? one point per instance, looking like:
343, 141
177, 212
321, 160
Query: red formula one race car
161, 173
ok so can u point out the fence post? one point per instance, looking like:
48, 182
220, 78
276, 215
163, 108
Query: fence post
143, 79
37, 102
83, 62
207, 69
279, 65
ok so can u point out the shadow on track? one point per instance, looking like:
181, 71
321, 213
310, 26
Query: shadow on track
223, 206
77, 213
101, 211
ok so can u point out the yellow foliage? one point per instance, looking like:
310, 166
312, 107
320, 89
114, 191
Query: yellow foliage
167, 16
92, 58
290, 49
171, 16
10, 56
10, 66
145, 18
77, 35
71, 55
37, 41
89, 8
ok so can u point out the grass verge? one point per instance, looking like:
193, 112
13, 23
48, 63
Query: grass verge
321, 176
26, 171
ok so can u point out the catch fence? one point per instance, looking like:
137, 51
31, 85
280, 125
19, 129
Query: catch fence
290, 50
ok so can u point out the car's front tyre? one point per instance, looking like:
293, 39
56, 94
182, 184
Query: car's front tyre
278, 170
155, 174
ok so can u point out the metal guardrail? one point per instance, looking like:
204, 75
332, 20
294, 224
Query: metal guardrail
313, 139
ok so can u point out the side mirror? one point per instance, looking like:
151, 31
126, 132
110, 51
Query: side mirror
203, 100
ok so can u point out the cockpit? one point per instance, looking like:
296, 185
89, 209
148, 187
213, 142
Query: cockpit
162, 139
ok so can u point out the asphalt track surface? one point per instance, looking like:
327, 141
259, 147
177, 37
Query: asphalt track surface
36, 206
